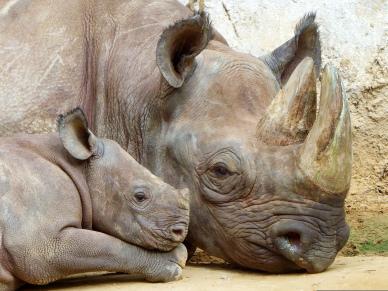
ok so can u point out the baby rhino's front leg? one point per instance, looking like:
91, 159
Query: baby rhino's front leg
79, 251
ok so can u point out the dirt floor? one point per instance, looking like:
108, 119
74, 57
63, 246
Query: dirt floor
356, 273
368, 220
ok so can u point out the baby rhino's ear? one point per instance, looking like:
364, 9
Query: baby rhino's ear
75, 135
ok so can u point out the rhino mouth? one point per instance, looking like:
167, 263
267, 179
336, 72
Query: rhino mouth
269, 261
169, 237
290, 246
286, 254
311, 265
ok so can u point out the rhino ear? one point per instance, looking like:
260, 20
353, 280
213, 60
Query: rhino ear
75, 135
178, 46
305, 43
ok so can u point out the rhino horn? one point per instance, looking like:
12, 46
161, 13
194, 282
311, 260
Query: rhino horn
291, 114
326, 154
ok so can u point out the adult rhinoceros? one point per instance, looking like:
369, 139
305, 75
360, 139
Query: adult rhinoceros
268, 175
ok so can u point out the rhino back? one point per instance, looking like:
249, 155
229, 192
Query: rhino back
41, 59
56, 55
37, 197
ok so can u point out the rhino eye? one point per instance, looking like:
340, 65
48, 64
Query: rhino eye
220, 171
140, 197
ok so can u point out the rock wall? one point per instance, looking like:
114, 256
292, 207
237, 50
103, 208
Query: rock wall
354, 36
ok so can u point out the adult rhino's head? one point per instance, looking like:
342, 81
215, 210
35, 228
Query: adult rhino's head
268, 172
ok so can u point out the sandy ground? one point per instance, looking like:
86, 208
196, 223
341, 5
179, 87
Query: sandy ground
357, 273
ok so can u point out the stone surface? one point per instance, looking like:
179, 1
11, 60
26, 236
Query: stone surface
354, 35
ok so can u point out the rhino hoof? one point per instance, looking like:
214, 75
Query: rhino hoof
171, 266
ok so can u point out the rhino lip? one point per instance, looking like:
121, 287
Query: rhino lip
292, 249
183, 224
287, 265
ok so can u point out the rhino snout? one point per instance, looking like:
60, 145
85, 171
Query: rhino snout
297, 243
177, 215
178, 232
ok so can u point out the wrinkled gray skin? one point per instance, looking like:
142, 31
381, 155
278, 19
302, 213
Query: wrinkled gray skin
267, 176
87, 208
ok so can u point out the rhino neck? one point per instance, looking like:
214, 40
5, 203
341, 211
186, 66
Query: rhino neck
77, 172
50, 148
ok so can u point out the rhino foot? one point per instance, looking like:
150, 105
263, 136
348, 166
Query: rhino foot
169, 266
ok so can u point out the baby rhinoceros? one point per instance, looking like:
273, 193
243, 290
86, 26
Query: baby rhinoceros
74, 203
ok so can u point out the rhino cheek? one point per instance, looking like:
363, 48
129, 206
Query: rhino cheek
225, 237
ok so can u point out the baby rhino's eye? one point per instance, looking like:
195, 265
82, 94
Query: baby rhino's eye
140, 197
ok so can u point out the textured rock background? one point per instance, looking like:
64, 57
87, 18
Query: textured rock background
354, 36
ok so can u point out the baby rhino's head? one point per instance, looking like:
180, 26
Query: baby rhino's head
128, 201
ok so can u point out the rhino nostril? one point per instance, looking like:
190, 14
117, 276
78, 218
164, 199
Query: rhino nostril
178, 232
290, 245
294, 241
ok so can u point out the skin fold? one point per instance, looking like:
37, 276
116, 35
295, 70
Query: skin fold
267, 172
74, 203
